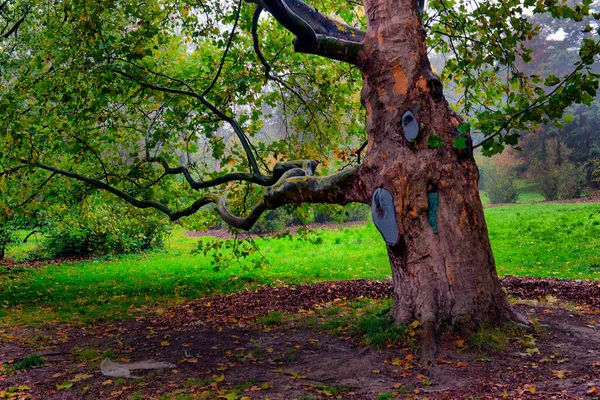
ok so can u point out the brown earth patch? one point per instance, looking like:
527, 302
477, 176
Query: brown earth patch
219, 351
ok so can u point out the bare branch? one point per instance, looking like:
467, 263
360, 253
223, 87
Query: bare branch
227, 47
90, 148
16, 25
101, 185
191, 93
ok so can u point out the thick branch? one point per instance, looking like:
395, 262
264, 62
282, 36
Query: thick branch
341, 188
295, 185
315, 33
280, 168
324, 25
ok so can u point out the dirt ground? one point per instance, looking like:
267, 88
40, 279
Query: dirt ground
217, 351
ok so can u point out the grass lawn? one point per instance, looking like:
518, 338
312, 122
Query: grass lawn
560, 240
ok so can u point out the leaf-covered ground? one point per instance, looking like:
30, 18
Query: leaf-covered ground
321, 341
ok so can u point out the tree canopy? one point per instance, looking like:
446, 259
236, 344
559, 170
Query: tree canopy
175, 105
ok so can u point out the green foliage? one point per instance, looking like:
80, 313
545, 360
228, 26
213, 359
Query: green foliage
499, 182
29, 362
494, 339
273, 221
99, 228
561, 182
434, 142
380, 331
497, 63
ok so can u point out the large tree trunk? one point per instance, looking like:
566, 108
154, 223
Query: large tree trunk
440, 275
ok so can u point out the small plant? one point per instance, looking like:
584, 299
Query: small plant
494, 339
380, 331
30, 362
274, 318
331, 390
384, 396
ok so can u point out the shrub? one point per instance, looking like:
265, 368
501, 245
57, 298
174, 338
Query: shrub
273, 221
100, 228
561, 182
500, 184
334, 213
571, 180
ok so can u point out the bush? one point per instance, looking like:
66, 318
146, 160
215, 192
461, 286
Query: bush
571, 180
500, 184
273, 221
100, 228
352, 212
561, 182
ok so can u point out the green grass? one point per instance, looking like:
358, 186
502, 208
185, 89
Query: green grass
559, 240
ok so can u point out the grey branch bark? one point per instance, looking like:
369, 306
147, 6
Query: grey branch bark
316, 33
294, 184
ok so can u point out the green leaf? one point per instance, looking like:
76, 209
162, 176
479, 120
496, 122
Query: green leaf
460, 143
569, 118
435, 142
552, 80
64, 385
464, 128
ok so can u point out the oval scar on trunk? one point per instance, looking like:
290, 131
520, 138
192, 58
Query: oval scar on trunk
384, 215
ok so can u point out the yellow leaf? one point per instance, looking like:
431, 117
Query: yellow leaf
165, 343
415, 324
266, 386
107, 382
376, 371
80, 377
560, 374
396, 361
220, 378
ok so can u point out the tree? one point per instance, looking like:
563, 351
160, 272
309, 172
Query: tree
108, 95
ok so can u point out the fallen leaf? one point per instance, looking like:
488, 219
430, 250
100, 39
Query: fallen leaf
529, 387
461, 364
220, 378
165, 343
561, 373
376, 371
229, 396
80, 377
266, 386
64, 385
325, 392
107, 382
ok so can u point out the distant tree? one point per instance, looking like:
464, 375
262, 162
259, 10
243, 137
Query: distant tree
111, 94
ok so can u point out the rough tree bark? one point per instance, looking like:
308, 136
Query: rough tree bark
443, 276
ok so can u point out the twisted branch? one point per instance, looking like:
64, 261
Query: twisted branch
294, 185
